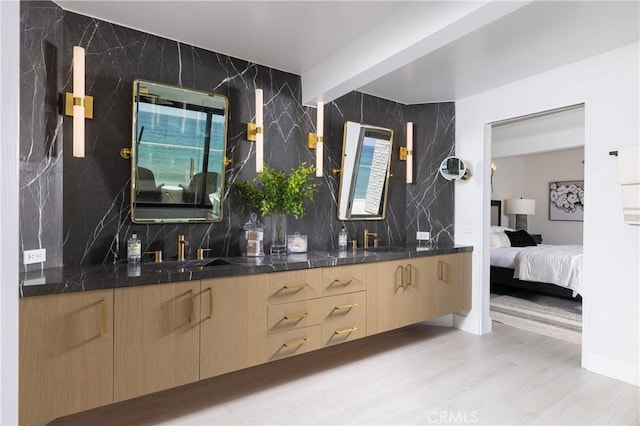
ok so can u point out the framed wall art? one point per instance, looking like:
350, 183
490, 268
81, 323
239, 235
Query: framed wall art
566, 200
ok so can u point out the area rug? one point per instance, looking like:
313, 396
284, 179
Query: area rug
548, 315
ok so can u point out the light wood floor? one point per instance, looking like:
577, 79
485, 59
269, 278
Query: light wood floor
419, 375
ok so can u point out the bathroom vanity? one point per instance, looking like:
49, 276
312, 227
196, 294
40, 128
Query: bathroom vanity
108, 333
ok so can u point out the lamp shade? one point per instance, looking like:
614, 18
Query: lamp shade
521, 206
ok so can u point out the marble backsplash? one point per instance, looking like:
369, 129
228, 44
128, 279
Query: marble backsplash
81, 212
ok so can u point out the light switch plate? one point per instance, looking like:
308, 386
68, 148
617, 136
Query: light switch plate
423, 235
34, 256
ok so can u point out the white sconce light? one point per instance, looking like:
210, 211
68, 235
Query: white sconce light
406, 153
77, 104
255, 132
316, 140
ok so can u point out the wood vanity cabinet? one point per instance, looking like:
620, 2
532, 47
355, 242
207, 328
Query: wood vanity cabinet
397, 294
66, 354
233, 324
157, 336
450, 289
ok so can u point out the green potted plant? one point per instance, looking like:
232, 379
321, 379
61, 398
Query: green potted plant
275, 193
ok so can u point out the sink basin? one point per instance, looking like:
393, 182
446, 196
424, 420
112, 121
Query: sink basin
381, 249
217, 262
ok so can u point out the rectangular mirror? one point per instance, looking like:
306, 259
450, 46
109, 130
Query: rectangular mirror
364, 179
178, 154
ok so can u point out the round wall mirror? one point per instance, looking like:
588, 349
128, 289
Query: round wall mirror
454, 168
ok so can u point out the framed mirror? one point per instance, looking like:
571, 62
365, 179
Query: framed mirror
454, 168
178, 154
364, 178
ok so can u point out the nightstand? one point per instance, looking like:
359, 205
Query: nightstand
537, 238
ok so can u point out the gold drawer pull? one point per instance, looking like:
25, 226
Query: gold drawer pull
401, 276
295, 287
343, 307
210, 289
440, 270
193, 305
102, 313
410, 269
296, 342
343, 281
296, 316
345, 331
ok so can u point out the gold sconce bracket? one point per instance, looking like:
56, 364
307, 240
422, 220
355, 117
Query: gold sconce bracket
125, 153
227, 161
313, 140
466, 175
336, 171
252, 131
70, 101
404, 153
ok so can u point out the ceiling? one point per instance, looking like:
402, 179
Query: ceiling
407, 51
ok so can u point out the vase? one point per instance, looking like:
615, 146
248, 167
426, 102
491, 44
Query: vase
278, 233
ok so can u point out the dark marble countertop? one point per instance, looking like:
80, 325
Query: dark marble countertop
104, 276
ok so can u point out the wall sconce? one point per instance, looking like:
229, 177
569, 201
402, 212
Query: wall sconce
316, 140
521, 207
494, 167
77, 104
255, 132
406, 153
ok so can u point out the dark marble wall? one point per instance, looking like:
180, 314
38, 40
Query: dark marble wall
88, 217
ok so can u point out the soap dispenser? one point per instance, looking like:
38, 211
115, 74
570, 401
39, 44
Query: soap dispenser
134, 249
343, 237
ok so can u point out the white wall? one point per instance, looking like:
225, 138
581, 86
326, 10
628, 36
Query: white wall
608, 86
9, 122
528, 176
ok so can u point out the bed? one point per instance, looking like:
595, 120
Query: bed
544, 268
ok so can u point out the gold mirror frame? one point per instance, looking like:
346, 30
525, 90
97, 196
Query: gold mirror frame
178, 147
363, 190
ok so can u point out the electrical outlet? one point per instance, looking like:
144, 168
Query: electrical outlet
423, 235
34, 256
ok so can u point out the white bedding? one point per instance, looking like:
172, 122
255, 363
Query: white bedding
559, 265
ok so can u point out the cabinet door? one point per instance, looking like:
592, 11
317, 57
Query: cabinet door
396, 295
66, 354
450, 289
156, 338
234, 324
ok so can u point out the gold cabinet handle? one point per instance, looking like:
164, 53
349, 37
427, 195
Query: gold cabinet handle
401, 276
193, 305
296, 342
343, 307
409, 267
102, 314
295, 287
345, 331
210, 289
440, 270
296, 316
343, 281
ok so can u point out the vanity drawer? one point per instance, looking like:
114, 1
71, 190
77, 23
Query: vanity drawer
344, 279
289, 316
291, 286
344, 318
293, 342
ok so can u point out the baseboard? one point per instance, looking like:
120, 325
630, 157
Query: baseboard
443, 321
620, 370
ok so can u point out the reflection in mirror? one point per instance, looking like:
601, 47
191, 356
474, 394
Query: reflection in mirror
453, 168
178, 145
364, 179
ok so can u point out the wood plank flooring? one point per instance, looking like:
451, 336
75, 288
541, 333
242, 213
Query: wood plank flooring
417, 375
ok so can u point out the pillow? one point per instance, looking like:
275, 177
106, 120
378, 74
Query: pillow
499, 240
500, 229
520, 238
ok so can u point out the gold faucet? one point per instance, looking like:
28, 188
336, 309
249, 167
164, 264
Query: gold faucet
181, 244
368, 234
